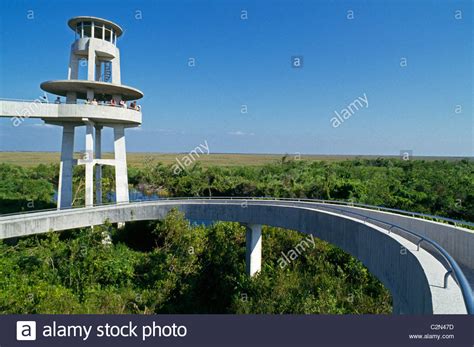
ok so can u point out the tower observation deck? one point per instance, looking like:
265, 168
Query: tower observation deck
99, 100
95, 45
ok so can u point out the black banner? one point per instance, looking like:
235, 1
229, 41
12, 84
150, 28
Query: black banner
236, 330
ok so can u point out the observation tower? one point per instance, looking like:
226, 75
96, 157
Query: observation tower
96, 101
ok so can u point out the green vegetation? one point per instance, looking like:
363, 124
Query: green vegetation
434, 187
171, 266
140, 159
27, 189
444, 188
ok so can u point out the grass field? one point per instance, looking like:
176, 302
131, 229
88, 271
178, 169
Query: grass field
29, 159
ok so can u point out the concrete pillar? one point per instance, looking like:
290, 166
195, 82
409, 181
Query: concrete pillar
117, 98
66, 167
89, 163
73, 66
121, 177
98, 71
116, 69
98, 167
254, 248
91, 63
71, 98
90, 94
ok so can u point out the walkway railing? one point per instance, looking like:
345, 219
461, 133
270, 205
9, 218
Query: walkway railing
434, 218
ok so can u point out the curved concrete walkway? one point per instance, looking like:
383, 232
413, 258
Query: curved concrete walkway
415, 276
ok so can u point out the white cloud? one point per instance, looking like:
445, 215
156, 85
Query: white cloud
136, 129
43, 125
240, 133
157, 130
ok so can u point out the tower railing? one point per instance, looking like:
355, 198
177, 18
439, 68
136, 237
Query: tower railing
47, 101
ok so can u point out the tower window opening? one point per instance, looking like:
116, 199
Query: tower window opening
108, 35
82, 69
107, 71
98, 32
78, 30
87, 26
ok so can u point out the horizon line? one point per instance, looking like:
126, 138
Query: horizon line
271, 154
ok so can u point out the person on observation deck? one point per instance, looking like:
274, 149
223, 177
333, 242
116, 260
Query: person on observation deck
94, 102
58, 100
123, 103
112, 102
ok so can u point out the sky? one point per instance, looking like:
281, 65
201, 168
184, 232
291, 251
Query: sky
412, 61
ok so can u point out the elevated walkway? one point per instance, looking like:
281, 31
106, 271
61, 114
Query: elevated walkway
423, 277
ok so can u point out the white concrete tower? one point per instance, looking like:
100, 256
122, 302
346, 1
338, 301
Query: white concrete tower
94, 102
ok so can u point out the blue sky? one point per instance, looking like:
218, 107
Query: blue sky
248, 62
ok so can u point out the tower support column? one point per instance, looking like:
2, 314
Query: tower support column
254, 249
98, 167
89, 163
66, 167
91, 61
121, 176
98, 71
90, 94
115, 65
73, 66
